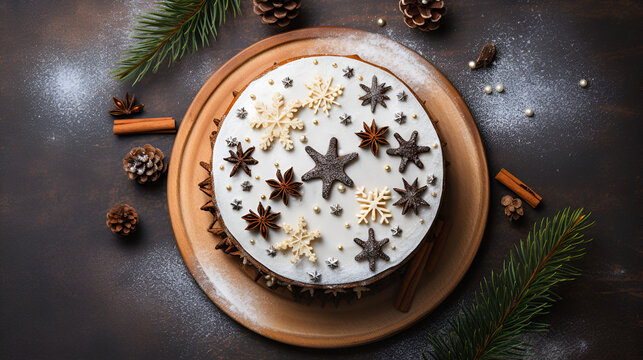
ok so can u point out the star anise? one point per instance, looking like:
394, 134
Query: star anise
262, 221
411, 197
373, 136
125, 107
374, 94
284, 186
241, 160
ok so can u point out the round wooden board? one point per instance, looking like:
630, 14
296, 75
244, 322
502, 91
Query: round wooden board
373, 317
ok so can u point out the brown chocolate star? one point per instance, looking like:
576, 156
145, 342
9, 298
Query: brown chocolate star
373, 136
411, 197
261, 221
375, 94
372, 249
241, 160
329, 168
284, 186
408, 150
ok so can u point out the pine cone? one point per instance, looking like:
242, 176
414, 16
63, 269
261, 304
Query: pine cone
278, 12
122, 219
513, 207
423, 14
144, 164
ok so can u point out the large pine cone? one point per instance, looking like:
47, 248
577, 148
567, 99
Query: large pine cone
122, 219
423, 14
144, 164
278, 12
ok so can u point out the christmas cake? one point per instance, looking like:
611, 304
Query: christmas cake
327, 172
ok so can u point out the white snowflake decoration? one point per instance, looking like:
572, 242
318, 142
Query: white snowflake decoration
373, 204
359, 290
277, 120
299, 240
334, 291
321, 95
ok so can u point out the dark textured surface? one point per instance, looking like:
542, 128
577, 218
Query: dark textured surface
69, 289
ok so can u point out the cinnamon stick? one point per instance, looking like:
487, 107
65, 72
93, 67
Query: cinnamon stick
518, 187
142, 126
440, 242
134, 121
416, 268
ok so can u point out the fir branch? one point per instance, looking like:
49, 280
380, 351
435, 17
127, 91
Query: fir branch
508, 302
175, 28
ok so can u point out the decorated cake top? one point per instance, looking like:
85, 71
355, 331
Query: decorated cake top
327, 171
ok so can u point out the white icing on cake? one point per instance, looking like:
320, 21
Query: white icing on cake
366, 171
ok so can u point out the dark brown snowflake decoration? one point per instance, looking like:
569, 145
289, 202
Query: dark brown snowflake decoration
411, 197
329, 168
262, 221
284, 186
373, 137
408, 150
375, 94
241, 159
126, 106
372, 249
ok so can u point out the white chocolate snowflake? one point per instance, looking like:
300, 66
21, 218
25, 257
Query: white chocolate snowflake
359, 290
299, 240
321, 95
277, 120
373, 204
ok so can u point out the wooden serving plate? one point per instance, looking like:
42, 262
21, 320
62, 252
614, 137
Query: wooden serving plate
373, 317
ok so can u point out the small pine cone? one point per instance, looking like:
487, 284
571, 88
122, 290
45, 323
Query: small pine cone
144, 164
122, 219
423, 14
278, 12
513, 207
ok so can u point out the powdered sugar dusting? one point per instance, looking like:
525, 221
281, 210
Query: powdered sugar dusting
377, 50
530, 79
162, 275
70, 86
556, 347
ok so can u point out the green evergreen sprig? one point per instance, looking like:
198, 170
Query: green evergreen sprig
175, 28
509, 301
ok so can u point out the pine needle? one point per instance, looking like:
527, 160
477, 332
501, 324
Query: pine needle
509, 301
175, 28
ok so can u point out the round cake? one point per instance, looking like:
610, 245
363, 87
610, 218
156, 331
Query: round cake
327, 172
